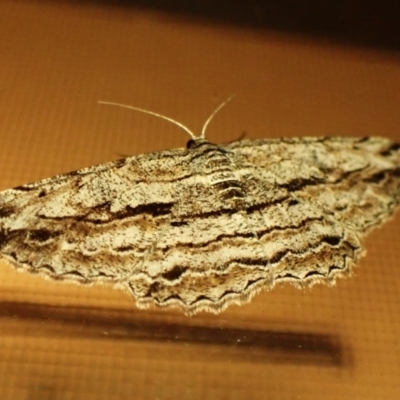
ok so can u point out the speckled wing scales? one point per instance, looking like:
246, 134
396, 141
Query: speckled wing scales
356, 180
94, 224
207, 226
287, 210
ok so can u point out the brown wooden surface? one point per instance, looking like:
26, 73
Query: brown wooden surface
63, 341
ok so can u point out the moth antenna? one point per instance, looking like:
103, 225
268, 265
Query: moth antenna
223, 104
185, 128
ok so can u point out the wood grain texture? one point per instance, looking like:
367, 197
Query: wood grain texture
206, 226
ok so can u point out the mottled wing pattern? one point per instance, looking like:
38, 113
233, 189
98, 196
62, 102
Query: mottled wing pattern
270, 210
97, 223
207, 226
355, 181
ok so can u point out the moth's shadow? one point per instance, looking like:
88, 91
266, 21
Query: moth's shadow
261, 346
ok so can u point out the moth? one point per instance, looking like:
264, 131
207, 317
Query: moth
206, 226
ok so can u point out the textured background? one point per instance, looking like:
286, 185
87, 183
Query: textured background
63, 341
